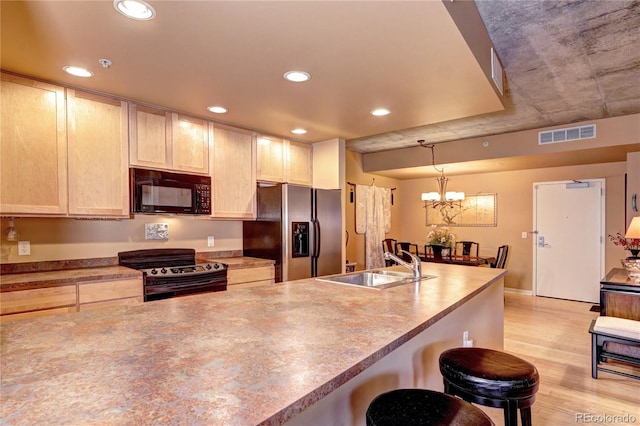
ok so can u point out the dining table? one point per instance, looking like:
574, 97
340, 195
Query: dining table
458, 259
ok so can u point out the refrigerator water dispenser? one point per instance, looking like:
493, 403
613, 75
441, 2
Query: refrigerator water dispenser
300, 236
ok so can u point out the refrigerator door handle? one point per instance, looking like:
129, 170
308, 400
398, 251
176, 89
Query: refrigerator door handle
316, 240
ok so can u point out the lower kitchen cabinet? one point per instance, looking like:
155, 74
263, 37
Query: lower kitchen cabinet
39, 302
81, 296
250, 277
101, 294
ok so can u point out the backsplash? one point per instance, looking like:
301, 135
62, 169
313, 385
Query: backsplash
60, 239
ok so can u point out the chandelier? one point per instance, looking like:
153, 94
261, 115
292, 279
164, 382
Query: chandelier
442, 197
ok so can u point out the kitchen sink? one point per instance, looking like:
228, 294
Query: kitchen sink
378, 279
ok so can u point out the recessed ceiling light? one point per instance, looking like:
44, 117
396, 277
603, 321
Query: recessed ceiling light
135, 9
380, 112
297, 76
217, 109
77, 71
299, 131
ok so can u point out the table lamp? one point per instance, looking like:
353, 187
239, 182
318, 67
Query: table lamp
633, 237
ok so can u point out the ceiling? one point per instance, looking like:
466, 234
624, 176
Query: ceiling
409, 57
564, 61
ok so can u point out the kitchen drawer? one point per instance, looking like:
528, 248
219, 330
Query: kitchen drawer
37, 314
38, 299
109, 303
98, 291
245, 275
251, 284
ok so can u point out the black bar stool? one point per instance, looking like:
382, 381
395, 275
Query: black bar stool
493, 379
422, 407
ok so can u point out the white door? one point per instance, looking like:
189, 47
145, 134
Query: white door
568, 256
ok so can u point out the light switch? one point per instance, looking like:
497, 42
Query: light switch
524, 235
210, 241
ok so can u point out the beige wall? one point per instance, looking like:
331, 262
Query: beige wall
57, 238
354, 174
515, 211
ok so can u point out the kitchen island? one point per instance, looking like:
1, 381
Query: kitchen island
263, 355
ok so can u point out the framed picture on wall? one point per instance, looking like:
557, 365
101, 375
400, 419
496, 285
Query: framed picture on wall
474, 210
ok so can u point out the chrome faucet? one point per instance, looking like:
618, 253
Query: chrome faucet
414, 266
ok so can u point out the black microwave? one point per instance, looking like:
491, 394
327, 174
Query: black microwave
156, 191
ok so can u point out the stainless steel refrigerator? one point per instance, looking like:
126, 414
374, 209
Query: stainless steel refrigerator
298, 227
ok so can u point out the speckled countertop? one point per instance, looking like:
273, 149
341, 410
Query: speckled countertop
73, 273
252, 356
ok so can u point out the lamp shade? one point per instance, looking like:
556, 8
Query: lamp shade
634, 228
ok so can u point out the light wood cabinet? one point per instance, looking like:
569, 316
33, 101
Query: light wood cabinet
161, 139
280, 160
100, 294
190, 144
250, 277
33, 147
271, 159
299, 164
97, 159
149, 132
233, 175
37, 302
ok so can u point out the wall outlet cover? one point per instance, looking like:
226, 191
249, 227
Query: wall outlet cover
24, 248
156, 231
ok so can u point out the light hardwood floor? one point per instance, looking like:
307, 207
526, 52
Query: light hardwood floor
553, 335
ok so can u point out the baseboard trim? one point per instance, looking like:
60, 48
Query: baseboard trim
518, 290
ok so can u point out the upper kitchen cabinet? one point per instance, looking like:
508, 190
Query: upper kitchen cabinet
97, 159
271, 159
233, 175
149, 137
190, 143
300, 164
33, 147
280, 160
160, 139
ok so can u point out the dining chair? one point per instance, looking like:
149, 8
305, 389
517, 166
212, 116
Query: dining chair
467, 248
410, 247
389, 245
501, 257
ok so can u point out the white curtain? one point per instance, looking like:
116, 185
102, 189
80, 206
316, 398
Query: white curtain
373, 218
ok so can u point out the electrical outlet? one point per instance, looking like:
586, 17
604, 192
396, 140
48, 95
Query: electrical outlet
24, 248
524, 235
210, 241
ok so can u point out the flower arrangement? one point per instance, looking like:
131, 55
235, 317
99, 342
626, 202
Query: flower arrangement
631, 244
441, 236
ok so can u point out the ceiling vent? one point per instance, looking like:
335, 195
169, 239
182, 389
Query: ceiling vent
497, 71
568, 134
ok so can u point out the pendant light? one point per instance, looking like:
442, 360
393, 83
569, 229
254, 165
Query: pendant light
442, 197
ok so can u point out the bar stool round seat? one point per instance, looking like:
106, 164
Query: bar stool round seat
491, 378
413, 407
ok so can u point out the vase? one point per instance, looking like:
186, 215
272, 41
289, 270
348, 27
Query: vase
437, 252
632, 266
